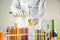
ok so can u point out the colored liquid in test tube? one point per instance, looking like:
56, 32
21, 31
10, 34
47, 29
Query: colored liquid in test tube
16, 33
47, 31
37, 34
9, 33
13, 32
26, 32
16, 30
44, 35
52, 25
50, 35
22, 33
58, 36
40, 34
1, 35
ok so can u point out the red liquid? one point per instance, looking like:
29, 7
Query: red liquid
44, 35
25, 32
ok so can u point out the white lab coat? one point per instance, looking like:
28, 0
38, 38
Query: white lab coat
36, 12
37, 7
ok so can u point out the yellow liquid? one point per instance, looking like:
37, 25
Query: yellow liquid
18, 15
58, 36
15, 25
35, 35
30, 22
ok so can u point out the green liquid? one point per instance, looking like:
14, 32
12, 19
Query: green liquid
52, 25
37, 34
42, 34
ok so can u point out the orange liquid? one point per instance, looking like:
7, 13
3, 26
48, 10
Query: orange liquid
40, 34
1, 36
16, 33
9, 33
20, 32
50, 35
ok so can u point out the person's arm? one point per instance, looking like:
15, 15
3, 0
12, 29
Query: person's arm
15, 7
41, 9
40, 12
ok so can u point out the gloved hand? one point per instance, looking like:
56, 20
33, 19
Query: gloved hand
35, 21
19, 13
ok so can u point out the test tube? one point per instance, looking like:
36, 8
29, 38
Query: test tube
1, 35
40, 34
9, 33
44, 35
26, 32
47, 31
35, 35
16, 30
17, 38
53, 27
15, 33
20, 32
50, 35
58, 36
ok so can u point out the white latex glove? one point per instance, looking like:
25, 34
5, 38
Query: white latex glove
19, 13
35, 21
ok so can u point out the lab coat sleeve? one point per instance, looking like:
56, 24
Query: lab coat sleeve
41, 8
15, 7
